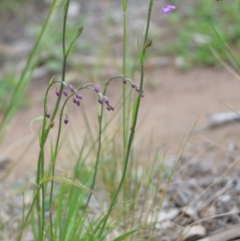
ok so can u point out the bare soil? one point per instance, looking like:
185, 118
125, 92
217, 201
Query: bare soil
175, 103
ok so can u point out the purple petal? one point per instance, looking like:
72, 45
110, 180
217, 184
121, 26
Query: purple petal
167, 9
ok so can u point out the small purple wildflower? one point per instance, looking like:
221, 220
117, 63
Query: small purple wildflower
133, 86
96, 88
71, 88
100, 101
74, 100
124, 81
58, 93
65, 92
108, 108
47, 115
79, 96
167, 9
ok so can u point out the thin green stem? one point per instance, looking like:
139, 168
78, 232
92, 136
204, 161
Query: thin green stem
124, 9
40, 174
18, 238
99, 147
53, 160
40, 169
134, 122
99, 140
65, 55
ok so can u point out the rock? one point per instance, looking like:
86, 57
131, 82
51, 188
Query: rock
193, 233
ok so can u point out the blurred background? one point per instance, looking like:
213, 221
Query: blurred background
184, 80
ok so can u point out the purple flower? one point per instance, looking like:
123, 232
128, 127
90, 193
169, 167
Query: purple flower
133, 86
71, 87
79, 96
100, 101
96, 88
58, 93
47, 115
108, 108
74, 100
65, 92
124, 81
167, 9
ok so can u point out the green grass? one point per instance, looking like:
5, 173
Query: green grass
113, 186
192, 35
68, 215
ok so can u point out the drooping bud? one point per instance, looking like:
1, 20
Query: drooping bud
65, 92
96, 88
124, 81
108, 108
106, 100
79, 96
78, 102
74, 100
71, 88
66, 120
133, 86
47, 115
100, 101
58, 92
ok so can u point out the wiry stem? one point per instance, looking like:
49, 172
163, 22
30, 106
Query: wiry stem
134, 122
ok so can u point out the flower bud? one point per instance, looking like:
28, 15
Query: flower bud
79, 96
106, 100
58, 93
47, 115
65, 121
71, 88
96, 88
100, 101
65, 92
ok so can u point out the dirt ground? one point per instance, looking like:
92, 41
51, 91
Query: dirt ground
175, 102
